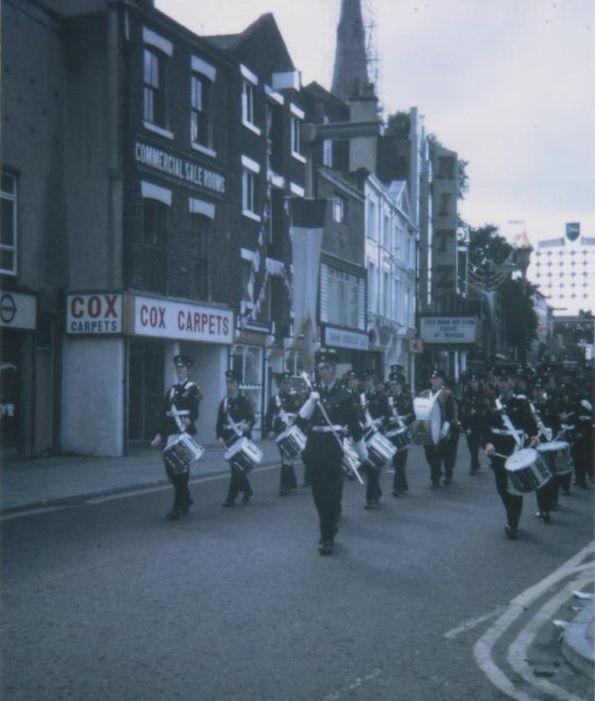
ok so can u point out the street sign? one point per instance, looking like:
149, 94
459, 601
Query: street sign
416, 345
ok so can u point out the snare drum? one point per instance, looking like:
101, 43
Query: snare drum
557, 456
181, 452
291, 442
401, 438
243, 455
526, 471
380, 450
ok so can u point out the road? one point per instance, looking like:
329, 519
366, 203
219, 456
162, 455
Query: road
108, 600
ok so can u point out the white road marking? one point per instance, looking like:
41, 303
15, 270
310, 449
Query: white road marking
123, 495
482, 650
518, 650
472, 623
350, 686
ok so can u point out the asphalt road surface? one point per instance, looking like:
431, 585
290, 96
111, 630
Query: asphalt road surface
108, 600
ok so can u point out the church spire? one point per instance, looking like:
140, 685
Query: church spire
350, 76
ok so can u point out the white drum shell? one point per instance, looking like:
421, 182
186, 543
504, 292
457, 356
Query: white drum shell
526, 471
291, 442
243, 454
558, 456
181, 452
380, 450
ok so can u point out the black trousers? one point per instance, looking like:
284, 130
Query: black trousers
450, 447
512, 502
323, 458
435, 456
238, 482
180, 485
547, 495
400, 478
373, 490
473, 445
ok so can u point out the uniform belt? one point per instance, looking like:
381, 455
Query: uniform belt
505, 432
326, 429
184, 412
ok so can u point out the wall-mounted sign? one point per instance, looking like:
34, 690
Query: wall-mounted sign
342, 338
94, 314
164, 318
449, 329
416, 345
18, 311
181, 168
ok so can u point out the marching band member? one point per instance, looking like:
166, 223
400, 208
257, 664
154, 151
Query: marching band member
401, 403
235, 419
374, 411
439, 453
323, 454
504, 431
473, 409
180, 410
281, 413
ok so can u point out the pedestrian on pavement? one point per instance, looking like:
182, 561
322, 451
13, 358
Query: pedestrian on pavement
179, 413
235, 420
281, 414
323, 452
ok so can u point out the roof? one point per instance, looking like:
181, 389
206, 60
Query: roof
223, 41
317, 90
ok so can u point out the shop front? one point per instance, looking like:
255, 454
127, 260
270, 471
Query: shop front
131, 347
18, 324
351, 346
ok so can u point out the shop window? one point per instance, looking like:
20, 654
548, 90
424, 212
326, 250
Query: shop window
8, 223
247, 361
201, 116
153, 245
154, 87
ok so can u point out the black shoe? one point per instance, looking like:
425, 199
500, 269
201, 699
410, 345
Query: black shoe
246, 498
396, 493
173, 515
511, 533
184, 509
447, 480
547, 517
229, 502
283, 492
435, 485
326, 547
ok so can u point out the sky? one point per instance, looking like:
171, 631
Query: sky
508, 84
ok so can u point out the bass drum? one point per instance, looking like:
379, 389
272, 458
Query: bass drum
428, 415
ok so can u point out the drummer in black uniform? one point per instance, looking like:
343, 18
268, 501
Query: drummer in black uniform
281, 413
498, 440
323, 454
374, 414
179, 413
235, 419
400, 403
473, 408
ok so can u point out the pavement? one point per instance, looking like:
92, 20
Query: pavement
70, 479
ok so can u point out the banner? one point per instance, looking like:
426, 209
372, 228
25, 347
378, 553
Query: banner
305, 232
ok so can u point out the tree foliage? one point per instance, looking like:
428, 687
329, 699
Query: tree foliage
520, 319
398, 124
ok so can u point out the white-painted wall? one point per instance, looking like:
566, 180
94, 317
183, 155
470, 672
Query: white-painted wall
93, 396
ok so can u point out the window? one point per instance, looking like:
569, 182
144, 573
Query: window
247, 361
248, 103
446, 167
200, 271
386, 232
154, 91
372, 287
296, 137
386, 295
8, 222
153, 245
274, 134
327, 153
339, 206
343, 298
444, 203
372, 220
249, 192
201, 122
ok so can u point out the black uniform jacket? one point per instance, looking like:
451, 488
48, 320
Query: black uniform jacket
495, 431
339, 405
183, 397
473, 409
240, 410
403, 405
279, 404
377, 405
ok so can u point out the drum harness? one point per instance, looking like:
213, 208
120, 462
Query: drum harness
175, 413
330, 427
509, 431
395, 413
286, 417
371, 425
231, 423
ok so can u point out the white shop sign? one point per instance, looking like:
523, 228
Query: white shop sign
448, 329
345, 339
94, 314
18, 311
181, 321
